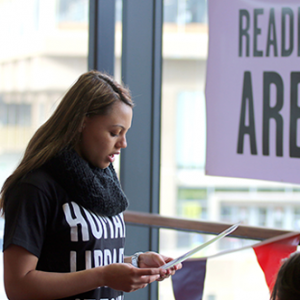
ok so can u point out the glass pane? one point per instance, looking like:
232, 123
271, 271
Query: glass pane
46, 46
118, 54
185, 189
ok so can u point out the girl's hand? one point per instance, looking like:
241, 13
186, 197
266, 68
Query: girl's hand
155, 260
125, 277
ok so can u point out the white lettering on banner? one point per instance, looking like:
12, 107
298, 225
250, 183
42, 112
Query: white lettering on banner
108, 221
88, 260
101, 258
110, 258
98, 258
99, 226
73, 258
86, 224
104, 226
121, 255
119, 226
75, 222
107, 257
95, 223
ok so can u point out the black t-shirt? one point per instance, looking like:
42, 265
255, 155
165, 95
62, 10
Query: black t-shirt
66, 237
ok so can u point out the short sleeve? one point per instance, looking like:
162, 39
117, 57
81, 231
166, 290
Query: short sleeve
27, 212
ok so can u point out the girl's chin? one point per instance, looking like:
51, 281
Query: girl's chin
104, 166
100, 165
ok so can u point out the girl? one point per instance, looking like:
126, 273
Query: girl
64, 230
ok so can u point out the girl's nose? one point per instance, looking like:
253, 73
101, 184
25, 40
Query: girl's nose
123, 142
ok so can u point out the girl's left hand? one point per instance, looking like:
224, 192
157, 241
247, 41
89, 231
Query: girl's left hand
152, 259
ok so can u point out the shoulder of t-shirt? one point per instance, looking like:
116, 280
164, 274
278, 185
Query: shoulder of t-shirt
41, 179
37, 187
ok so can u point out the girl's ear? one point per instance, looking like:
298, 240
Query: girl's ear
82, 126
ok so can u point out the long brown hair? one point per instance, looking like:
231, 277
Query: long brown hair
93, 93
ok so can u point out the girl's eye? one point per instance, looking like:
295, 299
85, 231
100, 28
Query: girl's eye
113, 134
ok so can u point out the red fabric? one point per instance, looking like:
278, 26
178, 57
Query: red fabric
270, 255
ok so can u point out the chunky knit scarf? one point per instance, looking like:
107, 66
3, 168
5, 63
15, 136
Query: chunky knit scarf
95, 189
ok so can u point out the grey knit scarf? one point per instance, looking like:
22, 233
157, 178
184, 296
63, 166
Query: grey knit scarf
95, 189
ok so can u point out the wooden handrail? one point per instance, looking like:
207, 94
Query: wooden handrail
158, 221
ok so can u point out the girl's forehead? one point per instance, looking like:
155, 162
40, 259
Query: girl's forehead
120, 116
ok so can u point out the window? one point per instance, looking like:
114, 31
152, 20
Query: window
278, 217
262, 216
186, 11
72, 11
185, 189
296, 218
226, 214
15, 114
37, 65
190, 128
192, 203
